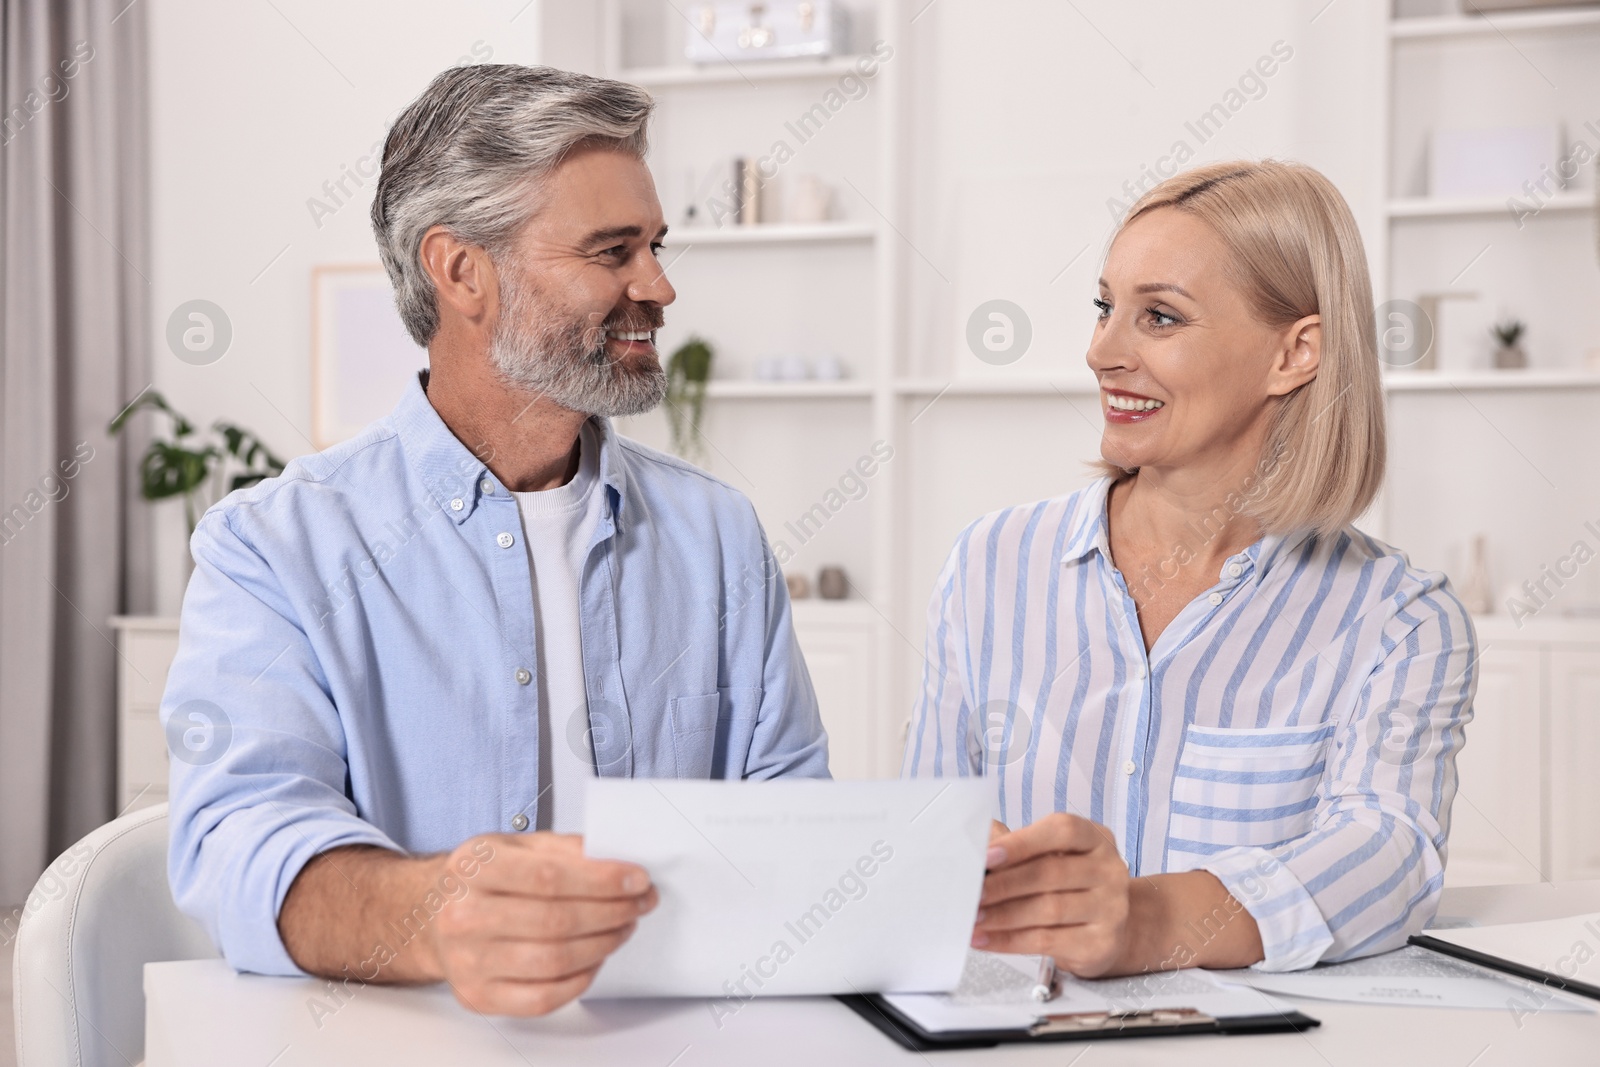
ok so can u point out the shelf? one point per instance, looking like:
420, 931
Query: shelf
795, 390
755, 70
1488, 380
998, 387
1395, 381
1492, 25
1429, 208
773, 233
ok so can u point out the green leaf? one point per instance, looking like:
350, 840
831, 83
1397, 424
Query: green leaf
167, 470
181, 427
249, 450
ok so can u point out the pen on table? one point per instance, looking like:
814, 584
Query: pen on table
1045, 988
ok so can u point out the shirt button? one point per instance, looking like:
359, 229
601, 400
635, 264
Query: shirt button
457, 504
1128, 768
503, 540
1143, 670
1215, 598
486, 485
523, 677
519, 821
1234, 570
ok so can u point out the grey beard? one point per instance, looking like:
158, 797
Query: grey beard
567, 362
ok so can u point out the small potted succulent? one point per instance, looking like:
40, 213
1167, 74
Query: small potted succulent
1508, 355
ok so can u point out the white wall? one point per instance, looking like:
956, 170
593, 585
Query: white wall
251, 112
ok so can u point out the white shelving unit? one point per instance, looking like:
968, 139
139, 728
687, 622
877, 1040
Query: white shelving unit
1451, 70
1426, 39
1521, 770
722, 111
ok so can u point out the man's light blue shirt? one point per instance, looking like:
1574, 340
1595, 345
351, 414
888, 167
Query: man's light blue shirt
356, 658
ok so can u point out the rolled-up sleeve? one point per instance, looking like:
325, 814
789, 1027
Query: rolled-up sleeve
1369, 872
258, 759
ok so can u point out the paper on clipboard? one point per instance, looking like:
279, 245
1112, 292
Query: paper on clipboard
996, 994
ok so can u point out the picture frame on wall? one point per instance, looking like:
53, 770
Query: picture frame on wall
362, 358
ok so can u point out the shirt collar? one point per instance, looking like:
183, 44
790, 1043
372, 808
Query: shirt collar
1274, 548
1089, 529
456, 478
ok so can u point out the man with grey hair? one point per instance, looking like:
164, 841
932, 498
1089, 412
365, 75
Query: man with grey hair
400, 661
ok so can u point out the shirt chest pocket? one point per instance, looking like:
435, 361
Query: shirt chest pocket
711, 734
1243, 787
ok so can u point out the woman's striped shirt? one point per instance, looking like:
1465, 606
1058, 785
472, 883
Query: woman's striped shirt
1293, 730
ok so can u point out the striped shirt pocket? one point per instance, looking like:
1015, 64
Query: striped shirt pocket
1243, 787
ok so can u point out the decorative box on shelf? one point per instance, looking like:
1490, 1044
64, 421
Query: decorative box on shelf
778, 29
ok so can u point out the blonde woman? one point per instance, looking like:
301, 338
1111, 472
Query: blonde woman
1220, 721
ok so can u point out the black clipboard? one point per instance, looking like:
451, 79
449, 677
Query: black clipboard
1080, 1026
1505, 966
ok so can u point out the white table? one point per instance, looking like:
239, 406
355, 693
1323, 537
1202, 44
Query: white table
201, 1014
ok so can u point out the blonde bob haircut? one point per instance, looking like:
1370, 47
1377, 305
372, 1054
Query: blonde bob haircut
1294, 251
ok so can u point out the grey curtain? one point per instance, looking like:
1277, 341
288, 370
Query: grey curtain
74, 538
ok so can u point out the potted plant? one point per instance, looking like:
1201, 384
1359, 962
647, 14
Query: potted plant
688, 371
1509, 354
181, 467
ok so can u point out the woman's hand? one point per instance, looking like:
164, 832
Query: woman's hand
1058, 888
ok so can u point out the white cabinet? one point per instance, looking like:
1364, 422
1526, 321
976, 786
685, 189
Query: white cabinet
145, 647
1496, 818
1528, 785
839, 641
1573, 701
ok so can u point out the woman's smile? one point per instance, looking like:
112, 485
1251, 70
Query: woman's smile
1122, 406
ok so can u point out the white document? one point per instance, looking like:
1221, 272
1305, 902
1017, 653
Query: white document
780, 888
996, 993
1412, 977
1566, 948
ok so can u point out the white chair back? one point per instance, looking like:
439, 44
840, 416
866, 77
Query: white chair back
99, 913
